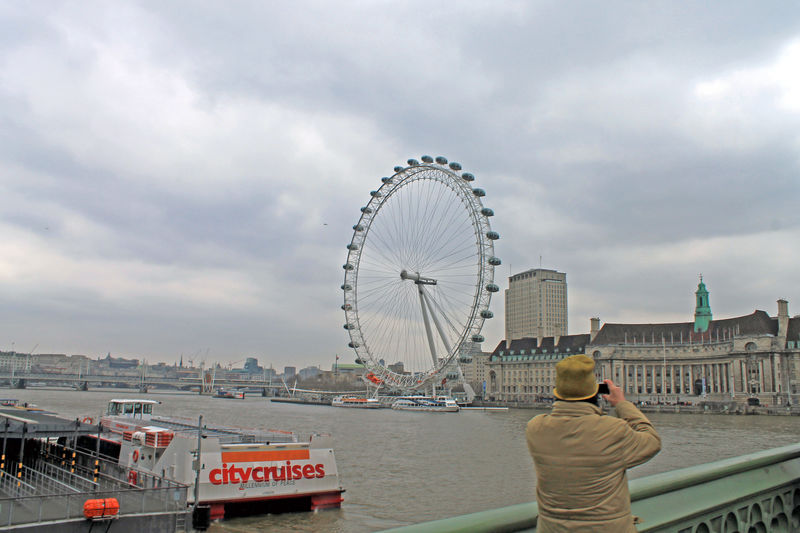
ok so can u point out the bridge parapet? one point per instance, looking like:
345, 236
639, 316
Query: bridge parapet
754, 492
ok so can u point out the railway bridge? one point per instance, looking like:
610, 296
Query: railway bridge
204, 383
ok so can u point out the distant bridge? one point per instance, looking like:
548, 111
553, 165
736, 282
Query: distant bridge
21, 380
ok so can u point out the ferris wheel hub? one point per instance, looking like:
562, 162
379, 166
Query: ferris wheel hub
416, 278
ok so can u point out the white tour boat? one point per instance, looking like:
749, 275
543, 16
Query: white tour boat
435, 404
355, 401
241, 471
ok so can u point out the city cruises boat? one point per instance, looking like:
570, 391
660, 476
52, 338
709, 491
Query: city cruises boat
229, 394
435, 404
355, 401
242, 471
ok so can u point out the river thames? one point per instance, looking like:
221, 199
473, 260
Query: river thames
402, 467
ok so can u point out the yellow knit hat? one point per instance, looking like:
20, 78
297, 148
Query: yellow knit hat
575, 378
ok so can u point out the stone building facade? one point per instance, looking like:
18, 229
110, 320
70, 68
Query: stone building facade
732, 359
473, 366
524, 369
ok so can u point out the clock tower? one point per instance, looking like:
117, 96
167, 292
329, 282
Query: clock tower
702, 310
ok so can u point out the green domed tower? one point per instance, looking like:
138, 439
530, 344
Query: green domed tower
702, 311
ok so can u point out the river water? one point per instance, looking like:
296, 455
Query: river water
401, 468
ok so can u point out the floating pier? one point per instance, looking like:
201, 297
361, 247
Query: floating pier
46, 485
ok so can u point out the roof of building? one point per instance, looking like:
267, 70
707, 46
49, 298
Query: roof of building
757, 323
348, 366
793, 332
566, 344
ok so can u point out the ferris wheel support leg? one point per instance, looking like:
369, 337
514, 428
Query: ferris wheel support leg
428, 331
436, 321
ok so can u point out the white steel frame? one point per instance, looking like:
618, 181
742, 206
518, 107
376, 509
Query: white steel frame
368, 334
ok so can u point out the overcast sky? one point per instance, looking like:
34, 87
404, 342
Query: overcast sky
182, 177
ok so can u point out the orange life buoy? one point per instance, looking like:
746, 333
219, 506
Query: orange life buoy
88, 420
132, 477
135, 455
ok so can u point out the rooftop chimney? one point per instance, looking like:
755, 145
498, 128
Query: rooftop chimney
594, 327
783, 318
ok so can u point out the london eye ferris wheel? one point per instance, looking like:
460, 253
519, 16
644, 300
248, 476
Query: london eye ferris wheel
419, 273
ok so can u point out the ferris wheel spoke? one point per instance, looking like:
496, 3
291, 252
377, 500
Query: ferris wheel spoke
435, 242
390, 255
452, 306
377, 321
434, 212
453, 258
448, 252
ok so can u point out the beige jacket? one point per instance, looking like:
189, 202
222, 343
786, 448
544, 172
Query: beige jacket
581, 456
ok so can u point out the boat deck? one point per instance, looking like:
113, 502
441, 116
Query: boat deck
225, 434
33, 424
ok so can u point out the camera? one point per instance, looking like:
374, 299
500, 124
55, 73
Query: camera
602, 388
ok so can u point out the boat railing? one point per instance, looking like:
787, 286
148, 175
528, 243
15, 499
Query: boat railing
108, 474
226, 435
15, 483
42, 478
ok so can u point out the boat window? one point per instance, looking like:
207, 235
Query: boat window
137, 408
128, 408
148, 409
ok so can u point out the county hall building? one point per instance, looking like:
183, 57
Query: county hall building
730, 359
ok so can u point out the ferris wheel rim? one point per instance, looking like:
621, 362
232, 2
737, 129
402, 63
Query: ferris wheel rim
470, 199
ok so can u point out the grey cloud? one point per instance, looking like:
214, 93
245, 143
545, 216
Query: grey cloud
578, 119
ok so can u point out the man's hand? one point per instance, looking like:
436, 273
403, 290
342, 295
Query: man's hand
615, 394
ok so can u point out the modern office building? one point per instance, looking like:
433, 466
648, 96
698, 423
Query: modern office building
536, 304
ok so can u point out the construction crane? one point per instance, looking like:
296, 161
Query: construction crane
230, 365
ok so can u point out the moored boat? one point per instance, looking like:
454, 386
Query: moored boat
355, 401
436, 404
229, 394
241, 471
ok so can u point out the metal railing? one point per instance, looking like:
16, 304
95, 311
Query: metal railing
32, 509
58, 482
754, 492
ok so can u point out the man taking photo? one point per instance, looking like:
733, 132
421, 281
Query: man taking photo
581, 455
